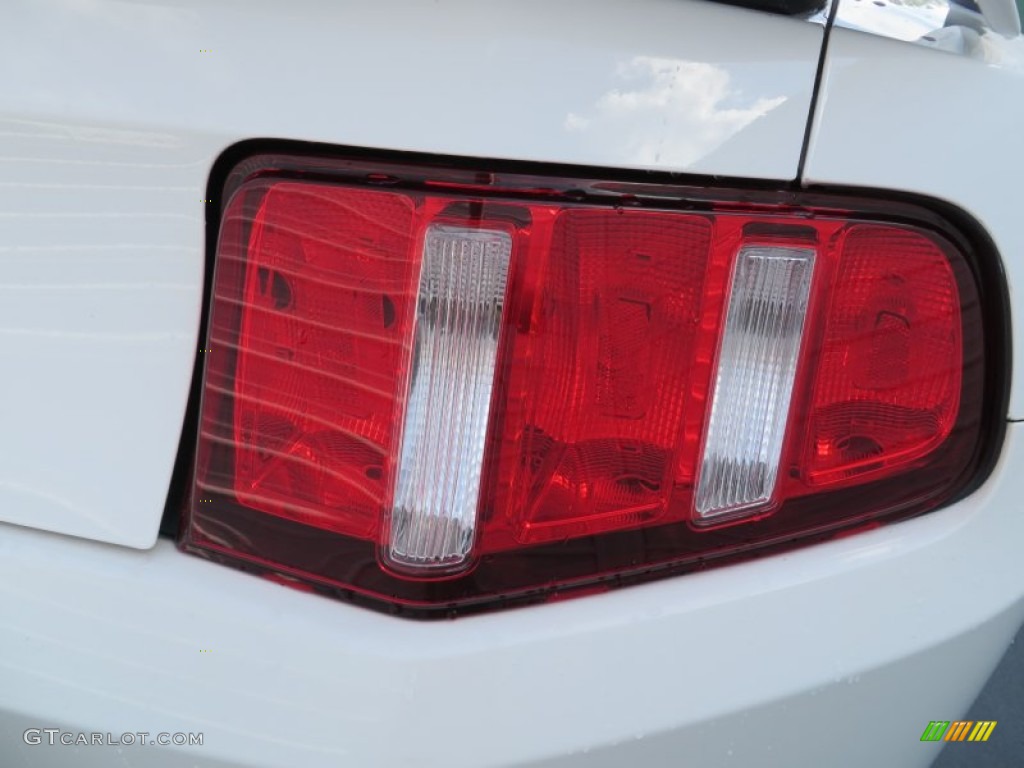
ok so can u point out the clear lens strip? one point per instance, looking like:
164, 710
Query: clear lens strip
753, 386
462, 287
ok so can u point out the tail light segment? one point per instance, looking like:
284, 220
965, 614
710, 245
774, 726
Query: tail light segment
437, 390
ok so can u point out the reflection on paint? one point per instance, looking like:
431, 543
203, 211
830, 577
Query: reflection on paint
669, 112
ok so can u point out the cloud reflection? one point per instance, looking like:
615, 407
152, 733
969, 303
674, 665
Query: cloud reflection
671, 112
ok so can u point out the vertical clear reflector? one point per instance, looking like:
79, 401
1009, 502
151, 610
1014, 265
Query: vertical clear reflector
754, 381
462, 286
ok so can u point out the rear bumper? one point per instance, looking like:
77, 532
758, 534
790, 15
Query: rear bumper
837, 654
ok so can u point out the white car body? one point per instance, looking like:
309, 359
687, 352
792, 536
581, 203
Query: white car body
112, 116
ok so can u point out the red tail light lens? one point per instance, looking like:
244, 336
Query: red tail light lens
884, 393
439, 390
326, 283
598, 369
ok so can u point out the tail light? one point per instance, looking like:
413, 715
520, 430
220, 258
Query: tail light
441, 389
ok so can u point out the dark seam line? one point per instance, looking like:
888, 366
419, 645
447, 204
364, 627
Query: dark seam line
819, 74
